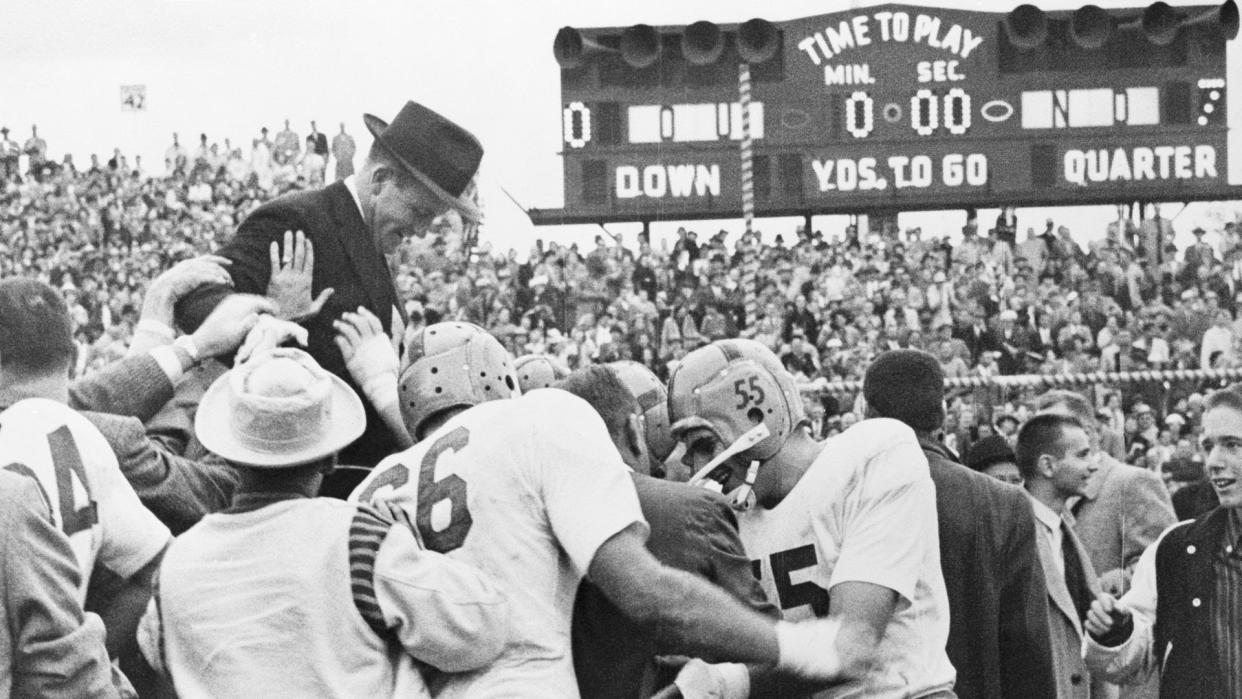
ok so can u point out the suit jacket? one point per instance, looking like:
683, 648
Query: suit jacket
50, 648
1012, 349
1185, 588
692, 529
1112, 443
134, 386
1122, 512
321, 144
177, 490
1073, 679
346, 259
998, 607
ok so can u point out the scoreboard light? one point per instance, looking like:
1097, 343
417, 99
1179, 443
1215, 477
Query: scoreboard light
898, 107
577, 125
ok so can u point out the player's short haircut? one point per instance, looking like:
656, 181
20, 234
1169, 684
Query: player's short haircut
907, 386
1042, 434
599, 385
1229, 397
1075, 402
36, 335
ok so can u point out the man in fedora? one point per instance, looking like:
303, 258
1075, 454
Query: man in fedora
420, 166
287, 594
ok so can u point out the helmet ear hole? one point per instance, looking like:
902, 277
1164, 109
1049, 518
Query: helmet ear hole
755, 415
509, 382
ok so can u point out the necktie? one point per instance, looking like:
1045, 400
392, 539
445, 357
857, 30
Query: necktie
1075, 577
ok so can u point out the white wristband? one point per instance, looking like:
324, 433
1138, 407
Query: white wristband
381, 390
808, 649
185, 343
155, 327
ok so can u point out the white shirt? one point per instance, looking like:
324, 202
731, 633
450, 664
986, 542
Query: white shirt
351, 183
865, 511
261, 604
526, 490
89, 498
1050, 528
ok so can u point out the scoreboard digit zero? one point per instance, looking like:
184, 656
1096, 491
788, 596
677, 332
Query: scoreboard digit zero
897, 107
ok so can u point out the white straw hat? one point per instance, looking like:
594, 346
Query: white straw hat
279, 409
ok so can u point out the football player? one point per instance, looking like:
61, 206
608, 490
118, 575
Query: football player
691, 529
79, 480
536, 371
532, 490
289, 595
652, 399
843, 529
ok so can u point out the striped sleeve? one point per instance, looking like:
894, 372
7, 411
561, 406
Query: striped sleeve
366, 532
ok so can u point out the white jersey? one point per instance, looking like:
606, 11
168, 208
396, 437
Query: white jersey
525, 489
865, 511
77, 472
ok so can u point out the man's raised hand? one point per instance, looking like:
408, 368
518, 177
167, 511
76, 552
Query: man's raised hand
292, 270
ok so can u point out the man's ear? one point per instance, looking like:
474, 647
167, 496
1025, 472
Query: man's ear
1045, 465
636, 443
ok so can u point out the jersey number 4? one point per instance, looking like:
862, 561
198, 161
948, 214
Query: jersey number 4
790, 594
66, 463
431, 492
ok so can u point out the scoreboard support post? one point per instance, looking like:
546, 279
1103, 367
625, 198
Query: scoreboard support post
747, 148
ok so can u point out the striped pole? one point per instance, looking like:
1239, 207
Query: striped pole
1057, 380
749, 297
748, 175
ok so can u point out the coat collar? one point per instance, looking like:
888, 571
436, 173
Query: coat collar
1208, 528
935, 447
1054, 579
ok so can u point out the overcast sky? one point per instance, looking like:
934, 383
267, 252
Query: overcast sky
227, 67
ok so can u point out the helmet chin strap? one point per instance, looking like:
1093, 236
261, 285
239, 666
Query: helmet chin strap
744, 496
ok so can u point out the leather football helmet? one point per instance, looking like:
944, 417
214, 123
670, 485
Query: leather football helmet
652, 399
535, 371
732, 387
452, 365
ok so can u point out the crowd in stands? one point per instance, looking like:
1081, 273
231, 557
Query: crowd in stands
988, 304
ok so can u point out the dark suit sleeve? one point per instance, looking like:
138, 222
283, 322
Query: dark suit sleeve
249, 250
1147, 511
727, 563
134, 386
1025, 645
177, 490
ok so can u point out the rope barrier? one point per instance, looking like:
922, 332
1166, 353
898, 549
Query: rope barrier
1055, 380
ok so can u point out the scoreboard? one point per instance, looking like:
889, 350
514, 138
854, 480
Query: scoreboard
898, 107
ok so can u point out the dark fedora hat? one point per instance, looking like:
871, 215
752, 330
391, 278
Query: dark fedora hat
438, 153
